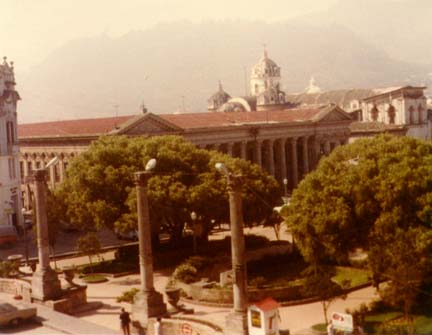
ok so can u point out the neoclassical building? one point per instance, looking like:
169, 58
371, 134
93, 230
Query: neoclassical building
10, 192
262, 128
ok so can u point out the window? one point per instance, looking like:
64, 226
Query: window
391, 114
11, 163
22, 171
38, 165
29, 168
420, 114
256, 319
10, 135
411, 115
374, 113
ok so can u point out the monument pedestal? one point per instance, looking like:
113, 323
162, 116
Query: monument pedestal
45, 285
236, 324
148, 304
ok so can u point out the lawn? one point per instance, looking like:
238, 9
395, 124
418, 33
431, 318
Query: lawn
355, 276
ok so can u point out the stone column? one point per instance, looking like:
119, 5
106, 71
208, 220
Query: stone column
230, 147
317, 151
148, 302
327, 147
258, 152
305, 155
294, 162
45, 283
52, 175
283, 166
236, 321
270, 157
61, 169
243, 152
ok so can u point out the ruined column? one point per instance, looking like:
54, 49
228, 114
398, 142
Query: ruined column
236, 321
148, 302
45, 283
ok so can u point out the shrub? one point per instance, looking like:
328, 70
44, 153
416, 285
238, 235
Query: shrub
128, 296
198, 262
396, 327
185, 273
128, 253
8, 268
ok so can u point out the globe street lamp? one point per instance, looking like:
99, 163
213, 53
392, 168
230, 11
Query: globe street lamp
147, 302
236, 321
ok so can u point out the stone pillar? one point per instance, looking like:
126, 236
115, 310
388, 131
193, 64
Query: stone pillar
270, 157
61, 169
283, 166
148, 302
52, 175
305, 155
45, 283
294, 162
327, 147
243, 148
230, 147
236, 321
258, 152
317, 151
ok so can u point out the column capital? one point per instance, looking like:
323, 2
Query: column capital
40, 175
141, 177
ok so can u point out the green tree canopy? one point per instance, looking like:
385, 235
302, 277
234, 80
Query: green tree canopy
375, 194
99, 191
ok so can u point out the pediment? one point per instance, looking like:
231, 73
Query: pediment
333, 114
148, 124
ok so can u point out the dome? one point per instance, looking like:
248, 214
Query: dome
232, 107
271, 96
218, 98
265, 68
312, 88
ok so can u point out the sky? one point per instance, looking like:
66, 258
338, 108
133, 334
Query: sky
31, 29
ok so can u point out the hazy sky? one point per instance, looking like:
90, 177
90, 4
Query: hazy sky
31, 29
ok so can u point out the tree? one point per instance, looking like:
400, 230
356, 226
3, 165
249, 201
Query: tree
89, 245
99, 189
318, 283
375, 194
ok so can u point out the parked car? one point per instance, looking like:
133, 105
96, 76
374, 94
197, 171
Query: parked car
8, 236
131, 235
13, 315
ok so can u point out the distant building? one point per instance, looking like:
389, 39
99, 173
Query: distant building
10, 192
400, 110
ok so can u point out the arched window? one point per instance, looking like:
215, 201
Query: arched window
411, 115
374, 113
391, 114
420, 114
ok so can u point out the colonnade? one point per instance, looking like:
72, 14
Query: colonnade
283, 157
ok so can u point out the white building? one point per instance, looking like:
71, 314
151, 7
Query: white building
10, 181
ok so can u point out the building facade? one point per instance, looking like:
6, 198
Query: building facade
10, 191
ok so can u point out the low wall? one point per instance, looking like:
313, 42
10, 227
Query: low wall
72, 298
16, 287
181, 326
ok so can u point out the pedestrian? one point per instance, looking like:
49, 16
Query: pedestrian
157, 327
125, 321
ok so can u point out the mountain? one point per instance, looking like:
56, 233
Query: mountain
103, 76
401, 28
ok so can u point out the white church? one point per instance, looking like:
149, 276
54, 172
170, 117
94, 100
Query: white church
10, 181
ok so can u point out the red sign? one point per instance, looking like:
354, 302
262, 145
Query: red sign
186, 329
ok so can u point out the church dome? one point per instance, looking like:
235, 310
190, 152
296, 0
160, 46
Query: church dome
218, 99
312, 88
265, 68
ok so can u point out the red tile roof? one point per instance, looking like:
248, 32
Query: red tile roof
185, 121
72, 127
220, 119
267, 304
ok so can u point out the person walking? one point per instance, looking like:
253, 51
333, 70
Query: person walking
125, 322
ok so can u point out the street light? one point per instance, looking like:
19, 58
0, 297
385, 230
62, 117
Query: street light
194, 231
286, 197
236, 321
26, 253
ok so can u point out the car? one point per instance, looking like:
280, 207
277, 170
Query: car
131, 235
12, 315
8, 236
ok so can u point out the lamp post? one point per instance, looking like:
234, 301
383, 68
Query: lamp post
147, 302
194, 231
26, 253
236, 321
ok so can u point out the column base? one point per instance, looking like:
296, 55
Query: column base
148, 304
45, 285
236, 324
